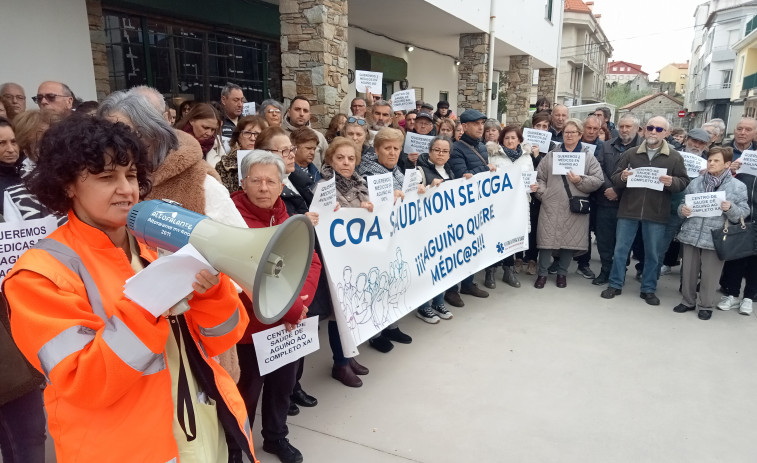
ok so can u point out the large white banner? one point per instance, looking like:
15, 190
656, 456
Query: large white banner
384, 264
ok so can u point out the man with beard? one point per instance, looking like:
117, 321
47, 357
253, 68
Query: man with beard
298, 116
645, 208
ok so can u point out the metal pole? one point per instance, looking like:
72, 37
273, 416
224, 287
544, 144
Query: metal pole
490, 74
581, 86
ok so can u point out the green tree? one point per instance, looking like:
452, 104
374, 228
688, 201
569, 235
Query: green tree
621, 95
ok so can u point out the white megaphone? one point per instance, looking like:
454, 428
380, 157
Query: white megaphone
270, 264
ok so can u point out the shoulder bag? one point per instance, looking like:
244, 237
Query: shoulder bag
578, 204
735, 242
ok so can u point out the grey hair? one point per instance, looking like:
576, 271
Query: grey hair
67, 90
153, 96
441, 138
634, 119
667, 122
146, 119
5, 85
229, 87
492, 124
265, 158
577, 122
719, 123
267, 103
605, 110
382, 103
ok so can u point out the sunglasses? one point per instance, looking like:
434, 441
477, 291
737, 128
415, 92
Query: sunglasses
47, 96
356, 120
651, 128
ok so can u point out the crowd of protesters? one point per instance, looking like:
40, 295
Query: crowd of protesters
107, 364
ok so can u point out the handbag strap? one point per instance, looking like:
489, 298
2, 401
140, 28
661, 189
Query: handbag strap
567, 188
475, 151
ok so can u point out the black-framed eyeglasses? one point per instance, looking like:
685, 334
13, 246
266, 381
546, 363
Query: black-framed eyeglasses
356, 120
651, 128
286, 152
250, 135
47, 96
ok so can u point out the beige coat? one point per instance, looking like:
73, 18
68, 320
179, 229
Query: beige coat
558, 228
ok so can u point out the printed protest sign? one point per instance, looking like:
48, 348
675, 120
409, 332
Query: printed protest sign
241, 155
748, 161
382, 265
646, 177
415, 143
529, 178
276, 347
538, 137
17, 237
564, 162
590, 149
403, 100
381, 189
248, 109
694, 164
368, 80
324, 196
411, 181
705, 204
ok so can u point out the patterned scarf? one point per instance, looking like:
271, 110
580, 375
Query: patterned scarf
346, 186
513, 154
711, 183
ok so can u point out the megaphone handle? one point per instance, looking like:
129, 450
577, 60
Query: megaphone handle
179, 308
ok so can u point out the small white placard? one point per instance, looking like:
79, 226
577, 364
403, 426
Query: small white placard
564, 162
705, 204
277, 347
591, 149
248, 109
324, 197
368, 81
381, 189
167, 281
241, 155
646, 177
529, 178
748, 161
17, 237
415, 143
403, 100
538, 137
694, 164
411, 181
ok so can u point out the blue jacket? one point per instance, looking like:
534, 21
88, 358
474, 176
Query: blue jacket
464, 161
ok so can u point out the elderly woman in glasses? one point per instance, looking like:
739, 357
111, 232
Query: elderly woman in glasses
260, 203
243, 138
273, 111
559, 230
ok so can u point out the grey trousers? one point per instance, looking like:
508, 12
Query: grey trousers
564, 259
696, 260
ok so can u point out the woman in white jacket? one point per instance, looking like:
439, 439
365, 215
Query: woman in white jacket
509, 151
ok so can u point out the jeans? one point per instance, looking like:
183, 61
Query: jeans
654, 235
22, 429
607, 221
674, 226
435, 302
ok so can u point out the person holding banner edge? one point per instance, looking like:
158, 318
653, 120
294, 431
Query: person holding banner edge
701, 264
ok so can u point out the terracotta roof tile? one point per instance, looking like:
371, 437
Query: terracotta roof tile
577, 6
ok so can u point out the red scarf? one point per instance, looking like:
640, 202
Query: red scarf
206, 145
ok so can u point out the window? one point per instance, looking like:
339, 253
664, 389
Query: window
418, 93
614, 68
189, 61
548, 10
727, 75
622, 68
443, 96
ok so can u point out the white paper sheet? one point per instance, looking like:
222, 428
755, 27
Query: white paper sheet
748, 162
275, 347
646, 177
529, 178
564, 162
694, 164
705, 204
368, 80
403, 100
538, 137
324, 197
416, 143
381, 189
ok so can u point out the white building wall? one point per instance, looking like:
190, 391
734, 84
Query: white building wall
431, 71
47, 40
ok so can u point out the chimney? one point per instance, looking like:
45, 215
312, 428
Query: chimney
590, 4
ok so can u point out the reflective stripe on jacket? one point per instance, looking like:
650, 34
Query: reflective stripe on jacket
109, 393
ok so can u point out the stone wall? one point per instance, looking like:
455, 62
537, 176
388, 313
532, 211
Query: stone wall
99, 55
547, 84
314, 55
472, 72
519, 89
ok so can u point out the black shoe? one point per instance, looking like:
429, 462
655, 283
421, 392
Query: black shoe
394, 334
704, 314
474, 291
680, 308
453, 298
611, 292
381, 344
284, 450
554, 267
294, 410
302, 399
585, 272
510, 278
602, 279
489, 279
650, 298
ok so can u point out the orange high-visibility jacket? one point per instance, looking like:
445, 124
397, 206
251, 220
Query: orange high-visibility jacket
109, 392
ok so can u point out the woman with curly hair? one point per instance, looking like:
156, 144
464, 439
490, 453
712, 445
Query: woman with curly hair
111, 366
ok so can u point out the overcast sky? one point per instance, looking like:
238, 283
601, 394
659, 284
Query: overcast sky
652, 33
